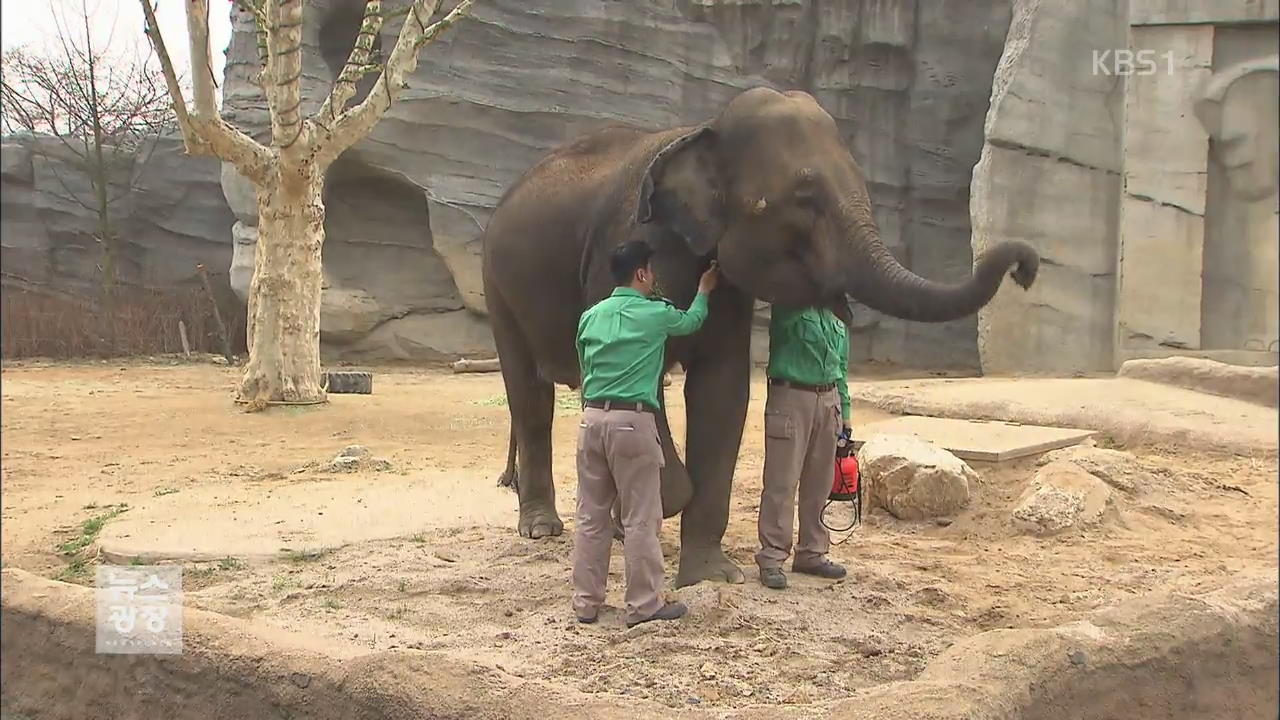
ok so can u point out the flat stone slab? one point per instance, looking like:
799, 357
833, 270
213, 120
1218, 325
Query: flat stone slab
985, 440
302, 514
1132, 412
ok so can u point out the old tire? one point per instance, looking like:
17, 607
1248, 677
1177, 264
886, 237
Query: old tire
349, 383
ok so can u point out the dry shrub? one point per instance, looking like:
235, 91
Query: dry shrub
141, 322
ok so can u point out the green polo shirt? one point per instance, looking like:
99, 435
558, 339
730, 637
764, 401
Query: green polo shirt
810, 346
621, 340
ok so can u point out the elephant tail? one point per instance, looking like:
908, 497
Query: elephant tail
510, 477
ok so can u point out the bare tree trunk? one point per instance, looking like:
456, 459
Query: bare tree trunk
284, 329
284, 295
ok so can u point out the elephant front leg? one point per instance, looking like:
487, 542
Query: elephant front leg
717, 390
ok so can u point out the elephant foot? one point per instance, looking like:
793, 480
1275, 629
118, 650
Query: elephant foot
698, 564
539, 521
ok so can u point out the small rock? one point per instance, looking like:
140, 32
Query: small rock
504, 636
708, 671
75, 437
1121, 470
1062, 495
1079, 658
354, 451
695, 700
343, 464
914, 479
301, 680
218, 360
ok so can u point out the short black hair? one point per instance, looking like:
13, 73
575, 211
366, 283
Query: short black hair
627, 258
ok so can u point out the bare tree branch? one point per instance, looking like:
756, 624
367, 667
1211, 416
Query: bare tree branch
357, 65
282, 81
88, 114
205, 132
355, 123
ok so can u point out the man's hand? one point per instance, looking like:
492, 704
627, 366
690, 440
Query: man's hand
709, 279
844, 442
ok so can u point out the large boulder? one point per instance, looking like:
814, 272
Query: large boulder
1062, 495
914, 479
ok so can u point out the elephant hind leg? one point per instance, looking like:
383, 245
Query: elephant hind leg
531, 402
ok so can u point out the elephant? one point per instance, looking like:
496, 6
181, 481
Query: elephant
766, 189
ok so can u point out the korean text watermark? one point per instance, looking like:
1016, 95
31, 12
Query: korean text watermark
139, 609
1123, 62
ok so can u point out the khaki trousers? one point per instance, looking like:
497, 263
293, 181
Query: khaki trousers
619, 458
800, 428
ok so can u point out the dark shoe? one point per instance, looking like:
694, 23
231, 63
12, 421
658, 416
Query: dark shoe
823, 569
773, 578
587, 617
670, 611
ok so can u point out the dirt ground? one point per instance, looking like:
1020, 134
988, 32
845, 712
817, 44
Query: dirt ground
87, 445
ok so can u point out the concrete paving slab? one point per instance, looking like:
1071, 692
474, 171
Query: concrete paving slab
985, 440
302, 514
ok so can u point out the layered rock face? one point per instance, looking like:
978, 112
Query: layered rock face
908, 82
1135, 144
174, 219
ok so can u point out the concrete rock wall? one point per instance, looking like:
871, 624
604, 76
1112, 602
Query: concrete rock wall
174, 218
1050, 174
1149, 185
907, 80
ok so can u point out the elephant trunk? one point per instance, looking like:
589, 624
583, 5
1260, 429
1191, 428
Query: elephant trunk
875, 278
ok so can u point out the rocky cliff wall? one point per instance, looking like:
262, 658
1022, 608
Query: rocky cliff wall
908, 82
175, 217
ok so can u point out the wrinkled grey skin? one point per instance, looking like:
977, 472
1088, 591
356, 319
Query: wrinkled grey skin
768, 190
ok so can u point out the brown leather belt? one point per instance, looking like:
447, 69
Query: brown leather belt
801, 386
607, 405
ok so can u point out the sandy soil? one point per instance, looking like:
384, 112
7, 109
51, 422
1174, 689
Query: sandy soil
78, 439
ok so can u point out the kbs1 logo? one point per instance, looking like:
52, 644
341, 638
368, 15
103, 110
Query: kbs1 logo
1131, 62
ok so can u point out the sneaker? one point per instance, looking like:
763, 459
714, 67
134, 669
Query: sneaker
824, 568
773, 578
670, 611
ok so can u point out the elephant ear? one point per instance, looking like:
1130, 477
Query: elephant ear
681, 190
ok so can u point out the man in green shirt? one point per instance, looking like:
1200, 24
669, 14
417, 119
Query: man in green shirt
807, 409
621, 343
